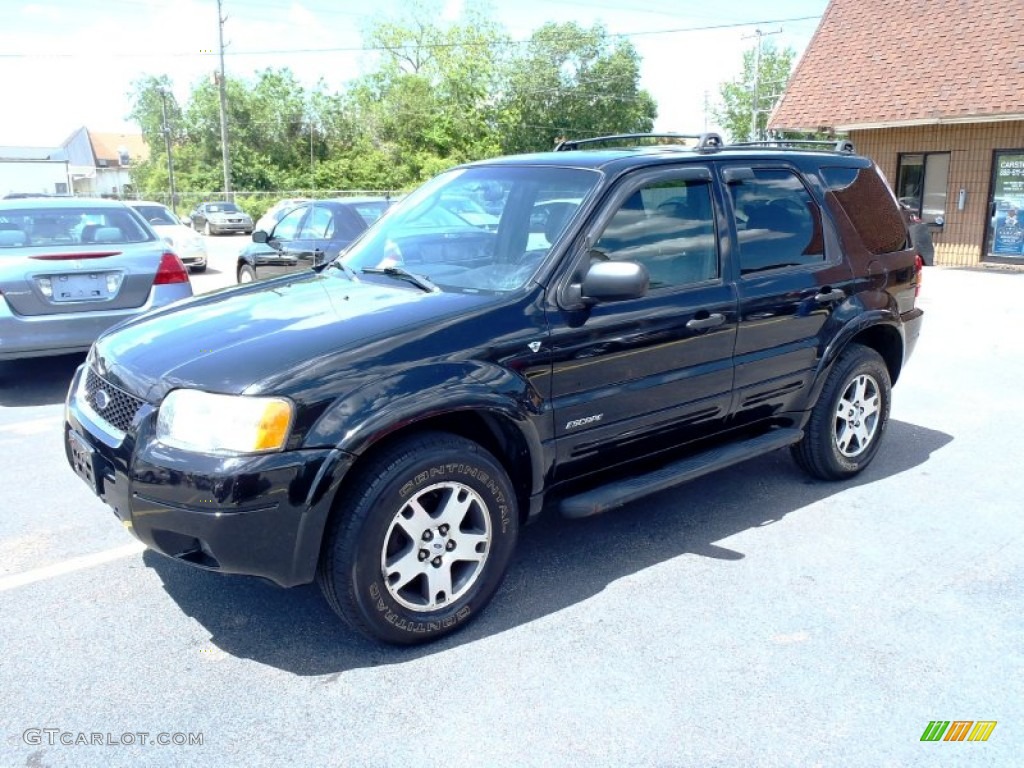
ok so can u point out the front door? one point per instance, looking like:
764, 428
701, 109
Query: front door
1004, 235
637, 376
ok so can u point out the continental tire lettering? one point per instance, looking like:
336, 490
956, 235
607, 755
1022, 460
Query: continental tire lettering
400, 622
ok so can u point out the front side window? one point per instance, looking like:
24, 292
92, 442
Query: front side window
921, 182
668, 227
317, 223
778, 224
288, 227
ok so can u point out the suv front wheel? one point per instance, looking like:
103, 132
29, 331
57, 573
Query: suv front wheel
421, 541
847, 423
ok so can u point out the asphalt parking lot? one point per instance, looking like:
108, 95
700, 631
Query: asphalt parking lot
752, 618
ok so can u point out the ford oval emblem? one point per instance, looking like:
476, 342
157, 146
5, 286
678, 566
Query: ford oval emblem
101, 398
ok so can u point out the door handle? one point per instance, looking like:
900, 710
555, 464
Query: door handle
703, 323
829, 295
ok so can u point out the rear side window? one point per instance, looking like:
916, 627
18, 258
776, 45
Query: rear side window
778, 224
869, 205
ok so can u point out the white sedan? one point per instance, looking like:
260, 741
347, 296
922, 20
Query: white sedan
190, 247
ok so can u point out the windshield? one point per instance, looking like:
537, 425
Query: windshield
222, 208
499, 240
71, 225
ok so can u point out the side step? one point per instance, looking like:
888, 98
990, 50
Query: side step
621, 492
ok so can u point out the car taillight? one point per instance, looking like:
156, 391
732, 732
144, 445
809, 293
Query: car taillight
171, 270
918, 274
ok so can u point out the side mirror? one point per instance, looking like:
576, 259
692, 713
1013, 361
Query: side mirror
259, 236
614, 281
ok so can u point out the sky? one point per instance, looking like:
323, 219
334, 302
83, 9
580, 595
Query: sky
69, 63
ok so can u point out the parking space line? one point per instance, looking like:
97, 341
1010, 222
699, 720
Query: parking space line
69, 566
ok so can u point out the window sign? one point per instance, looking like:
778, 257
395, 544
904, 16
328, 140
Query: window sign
1007, 224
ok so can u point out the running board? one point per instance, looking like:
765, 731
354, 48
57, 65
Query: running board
621, 492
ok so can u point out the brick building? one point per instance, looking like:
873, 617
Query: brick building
933, 91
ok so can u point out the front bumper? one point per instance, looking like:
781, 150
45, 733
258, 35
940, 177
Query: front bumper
230, 226
254, 515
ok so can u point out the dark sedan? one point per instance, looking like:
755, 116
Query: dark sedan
311, 234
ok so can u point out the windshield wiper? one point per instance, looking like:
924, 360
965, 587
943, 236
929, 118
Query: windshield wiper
403, 274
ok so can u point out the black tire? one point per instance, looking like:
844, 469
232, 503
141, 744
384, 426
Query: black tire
246, 273
375, 528
840, 442
199, 268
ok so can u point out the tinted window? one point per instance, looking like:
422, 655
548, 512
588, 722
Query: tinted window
288, 227
869, 205
778, 224
669, 228
318, 223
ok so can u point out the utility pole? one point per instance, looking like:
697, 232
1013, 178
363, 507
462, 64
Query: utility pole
167, 143
221, 78
755, 134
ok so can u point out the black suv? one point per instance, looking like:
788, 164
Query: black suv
385, 423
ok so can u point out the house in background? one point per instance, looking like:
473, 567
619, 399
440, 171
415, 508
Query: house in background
933, 92
33, 170
101, 163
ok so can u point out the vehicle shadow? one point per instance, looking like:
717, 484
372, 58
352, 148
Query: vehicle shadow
37, 380
559, 562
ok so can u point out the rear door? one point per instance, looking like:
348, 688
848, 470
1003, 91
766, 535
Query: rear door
791, 278
633, 377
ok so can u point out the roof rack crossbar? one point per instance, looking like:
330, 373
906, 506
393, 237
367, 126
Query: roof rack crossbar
704, 140
838, 145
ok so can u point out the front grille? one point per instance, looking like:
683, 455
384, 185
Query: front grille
114, 406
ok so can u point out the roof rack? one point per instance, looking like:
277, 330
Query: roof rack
839, 145
705, 141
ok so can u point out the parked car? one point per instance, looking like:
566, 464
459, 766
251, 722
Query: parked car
920, 234
189, 246
308, 234
384, 423
218, 218
71, 268
470, 210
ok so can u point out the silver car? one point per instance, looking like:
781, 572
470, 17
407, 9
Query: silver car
72, 268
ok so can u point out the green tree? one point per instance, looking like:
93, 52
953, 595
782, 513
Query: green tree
571, 81
765, 82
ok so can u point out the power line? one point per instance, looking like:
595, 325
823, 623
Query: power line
382, 48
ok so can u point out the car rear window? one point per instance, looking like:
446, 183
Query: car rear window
869, 205
42, 227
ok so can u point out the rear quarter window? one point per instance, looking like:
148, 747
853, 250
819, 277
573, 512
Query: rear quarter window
869, 205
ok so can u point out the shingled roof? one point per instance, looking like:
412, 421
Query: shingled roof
887, 63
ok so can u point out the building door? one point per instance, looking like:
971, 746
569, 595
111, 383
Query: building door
1004, 233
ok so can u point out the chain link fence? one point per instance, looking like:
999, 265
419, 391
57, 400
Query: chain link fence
253, 202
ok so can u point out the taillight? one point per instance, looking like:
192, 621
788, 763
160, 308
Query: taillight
918, 274
171, 270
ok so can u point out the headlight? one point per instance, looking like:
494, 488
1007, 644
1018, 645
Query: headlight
223, 424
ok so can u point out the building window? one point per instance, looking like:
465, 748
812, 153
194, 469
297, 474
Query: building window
60, 188
921, 182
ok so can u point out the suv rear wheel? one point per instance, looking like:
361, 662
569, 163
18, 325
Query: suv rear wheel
846, 424
421, 540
